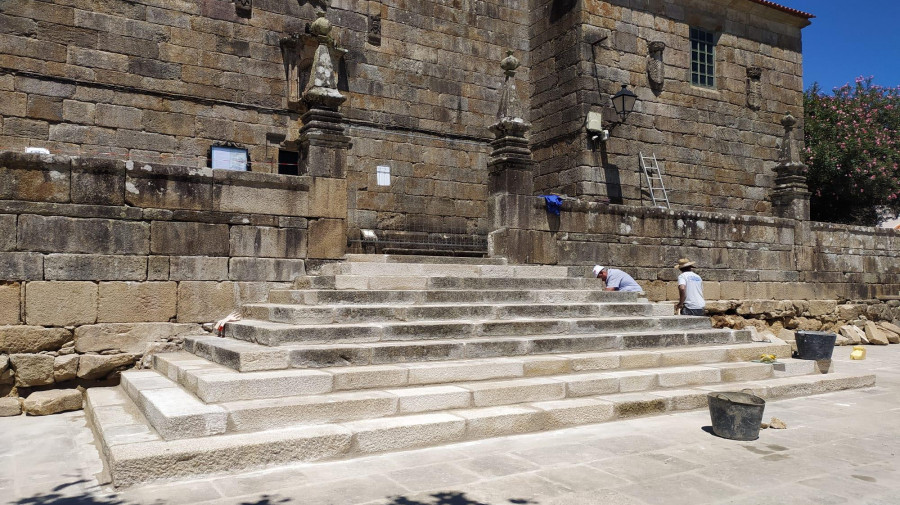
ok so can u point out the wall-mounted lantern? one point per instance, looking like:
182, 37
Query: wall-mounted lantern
624, 101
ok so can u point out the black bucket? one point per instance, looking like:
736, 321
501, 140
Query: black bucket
815, 345
736, 416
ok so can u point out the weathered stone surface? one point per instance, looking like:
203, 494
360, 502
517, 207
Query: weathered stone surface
7, 232
65, 367
21, 266
32, 369
94, 267
93, 366
168, 187
327, 238
874, 334
328, 197
126, 302
128, 338
10, 407
32, 339
10, 303
56, 234
853, 334
892, 336
189, 239
98, 181
198, 268
43, 403
268, 242
63, 303
260, 193
203, 302
265, 269
34, 177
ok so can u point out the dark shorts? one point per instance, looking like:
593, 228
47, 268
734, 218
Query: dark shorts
692, 312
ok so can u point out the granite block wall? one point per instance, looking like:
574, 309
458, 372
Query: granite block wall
103, 262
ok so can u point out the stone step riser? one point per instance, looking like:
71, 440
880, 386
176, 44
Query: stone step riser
312, 334
294, 314
331, 296
258, 415
134, 463
214, 384
423, 282
222, 351
373, 269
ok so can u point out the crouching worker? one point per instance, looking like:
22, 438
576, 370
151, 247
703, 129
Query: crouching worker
616, 280
690, 290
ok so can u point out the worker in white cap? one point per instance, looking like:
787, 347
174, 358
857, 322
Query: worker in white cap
615, 279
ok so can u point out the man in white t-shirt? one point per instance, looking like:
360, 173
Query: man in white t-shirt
690, 290
616, 280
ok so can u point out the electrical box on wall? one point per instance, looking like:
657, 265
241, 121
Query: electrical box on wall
594, 126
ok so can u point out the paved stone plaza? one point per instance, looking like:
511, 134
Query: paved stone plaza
838, 448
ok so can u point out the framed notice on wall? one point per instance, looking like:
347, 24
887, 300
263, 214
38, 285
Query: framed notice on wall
228, 158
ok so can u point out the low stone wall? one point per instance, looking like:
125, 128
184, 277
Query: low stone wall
104, 260
739, 257
875, 321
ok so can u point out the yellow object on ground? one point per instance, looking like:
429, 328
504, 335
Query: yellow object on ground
859, 352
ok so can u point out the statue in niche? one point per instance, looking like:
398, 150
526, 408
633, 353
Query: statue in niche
656, 69
754, 88
322, 4
374, 37
243, 7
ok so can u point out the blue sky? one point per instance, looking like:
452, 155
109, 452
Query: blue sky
849, 39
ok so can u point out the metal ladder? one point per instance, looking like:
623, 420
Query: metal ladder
655, 180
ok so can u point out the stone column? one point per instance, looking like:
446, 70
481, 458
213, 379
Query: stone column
510, 169
323, 144
790, 197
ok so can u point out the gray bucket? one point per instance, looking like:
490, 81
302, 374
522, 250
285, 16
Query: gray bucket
736, 416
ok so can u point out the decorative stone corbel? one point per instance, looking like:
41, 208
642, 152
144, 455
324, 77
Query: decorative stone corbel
790, 197
656, 69
244, 8
754, 88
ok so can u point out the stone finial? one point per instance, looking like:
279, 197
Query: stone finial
510, 64
321, 89
788, 155
509, 114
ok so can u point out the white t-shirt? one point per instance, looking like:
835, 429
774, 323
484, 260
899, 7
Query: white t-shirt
621, 281
693, 290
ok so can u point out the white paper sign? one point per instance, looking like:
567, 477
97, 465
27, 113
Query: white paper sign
229, 158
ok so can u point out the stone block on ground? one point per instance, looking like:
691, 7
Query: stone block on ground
32, 339
10, 407
853, 334
892, 336
42, 403
874, 334
128, 337
94, 366
32, 369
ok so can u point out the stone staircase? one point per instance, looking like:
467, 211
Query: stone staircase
384, 353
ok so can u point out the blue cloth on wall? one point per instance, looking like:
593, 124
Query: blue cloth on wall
554, 203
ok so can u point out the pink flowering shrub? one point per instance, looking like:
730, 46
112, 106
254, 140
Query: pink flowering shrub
852, 151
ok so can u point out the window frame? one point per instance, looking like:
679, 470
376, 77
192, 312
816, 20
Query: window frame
703, 46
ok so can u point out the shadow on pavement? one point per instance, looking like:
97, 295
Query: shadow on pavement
449, 498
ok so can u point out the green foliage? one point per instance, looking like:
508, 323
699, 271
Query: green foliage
853, 152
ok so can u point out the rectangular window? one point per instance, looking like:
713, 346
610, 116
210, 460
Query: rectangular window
703, 58
288, 162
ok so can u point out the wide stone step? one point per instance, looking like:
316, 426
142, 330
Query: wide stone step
328, 295
426, 282
136, 454
326, 314
248, 357
215, 383
407, 259
379, 269
274, 334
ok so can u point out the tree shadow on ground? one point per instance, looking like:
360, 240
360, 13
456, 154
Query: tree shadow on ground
451, 498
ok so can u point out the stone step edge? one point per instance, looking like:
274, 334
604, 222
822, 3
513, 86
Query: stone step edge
225, 351
421, 258
212, 384
141, 462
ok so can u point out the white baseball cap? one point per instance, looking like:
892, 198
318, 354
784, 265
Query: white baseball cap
598, 269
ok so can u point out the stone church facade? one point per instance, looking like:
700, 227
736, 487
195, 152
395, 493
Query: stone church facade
160, 81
